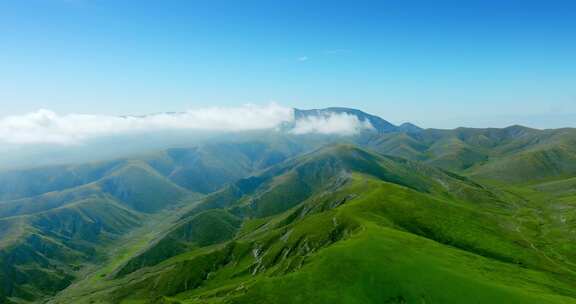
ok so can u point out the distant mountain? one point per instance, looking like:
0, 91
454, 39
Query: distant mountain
513, 154
379, 124
131, 144
409, 128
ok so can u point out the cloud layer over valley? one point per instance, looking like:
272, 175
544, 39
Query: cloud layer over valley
48, 127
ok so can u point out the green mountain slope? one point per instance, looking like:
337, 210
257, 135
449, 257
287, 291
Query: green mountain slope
514, 154
46, 239
208, 167
47, 248
202, 168
343, 225
32, 182
57, 220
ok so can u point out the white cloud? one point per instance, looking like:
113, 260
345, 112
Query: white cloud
303, 58
45, 126
334, 123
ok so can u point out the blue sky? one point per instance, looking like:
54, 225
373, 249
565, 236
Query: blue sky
435, 63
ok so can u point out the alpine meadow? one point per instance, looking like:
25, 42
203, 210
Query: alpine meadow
258, 152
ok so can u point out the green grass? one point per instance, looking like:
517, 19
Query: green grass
95, 276
369, 241
50, 239
344, 225
382, 265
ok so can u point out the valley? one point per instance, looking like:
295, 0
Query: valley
390, 214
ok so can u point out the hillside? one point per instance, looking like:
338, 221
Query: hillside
49, 237
514, 154
247, 216
56, 220
336, 225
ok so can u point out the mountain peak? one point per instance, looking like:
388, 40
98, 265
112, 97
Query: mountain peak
379, 124
409, 128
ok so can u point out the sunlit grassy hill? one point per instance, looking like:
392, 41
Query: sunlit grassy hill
349, 226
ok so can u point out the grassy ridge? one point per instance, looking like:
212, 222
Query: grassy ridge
57, 219
48, 238
514, 154
374, 229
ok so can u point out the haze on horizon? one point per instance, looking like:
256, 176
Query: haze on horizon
443, 64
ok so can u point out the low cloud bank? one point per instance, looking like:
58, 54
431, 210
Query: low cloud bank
335, 123
45, 126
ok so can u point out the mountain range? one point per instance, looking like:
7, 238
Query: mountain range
390, 214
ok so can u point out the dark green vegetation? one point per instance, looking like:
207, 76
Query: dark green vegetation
514, 154
54, 220
392, 215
